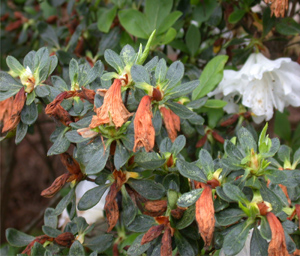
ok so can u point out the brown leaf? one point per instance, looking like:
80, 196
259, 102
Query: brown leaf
56, 186
166, 243
202, 141
171, 121
284, 189
144, 133
70, 163
205, 215
15, 118
113, 110
6, 108
231, 120
277, 246
65, 239
218, 137
152, 233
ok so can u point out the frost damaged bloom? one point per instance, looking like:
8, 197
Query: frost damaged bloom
144, 133
262, 84
277, 246
205, 214
171, 121
12, 121
113, 110
278, 7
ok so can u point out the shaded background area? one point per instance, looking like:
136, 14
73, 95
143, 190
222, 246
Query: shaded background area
25, 172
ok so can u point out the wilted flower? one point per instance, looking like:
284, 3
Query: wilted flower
113, 110
205, 214
6, 108
144, 133
278, 7
277, 246
263, 84
14, 119
172, 122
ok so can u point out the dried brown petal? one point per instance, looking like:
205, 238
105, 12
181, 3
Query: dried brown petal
166, 243
40, 239
231, 120
277, 246
70, 163
112, 214
6, 108
113, 109
115, 250
218, 137
87, 133
56, 186
87, 94
205, 215
144, 133
13, 25
177, 213
152, 233
202, 141
171, 121
15, 118
263, 208
65, 239
284, 189
156, 206
278, 7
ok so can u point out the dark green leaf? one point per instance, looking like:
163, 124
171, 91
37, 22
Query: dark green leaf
187, 218
147, 188
206, 161
183, 89
21, 132
74, 137
97, 161
178, 145
258, 246
246, 140
160, 71
271, 197
189, 198
288, 26
15, 65
141, 223
276, 176
91, 197
149, 160
180, 110
229, 216
76, 249
136, 249
52, 232
50, 219
114, 60
184, 247
100, 243
282, 125
234, 193
8, 86
190, 170
29, 114
105, 18
60, 145
192, 39
17, 238
64, 202
121, 156
236, 16
129, 208
174, 74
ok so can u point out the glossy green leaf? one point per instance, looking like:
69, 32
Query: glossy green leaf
105, 18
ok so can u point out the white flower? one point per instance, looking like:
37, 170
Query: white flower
263, 84
91, 215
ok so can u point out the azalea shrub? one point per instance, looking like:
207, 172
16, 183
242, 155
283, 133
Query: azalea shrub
161, 126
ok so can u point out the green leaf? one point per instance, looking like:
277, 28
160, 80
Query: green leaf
21, 132
190, 171
50, 219
184, 247
167, 37
265, 230
187, 218
271, 197
64, 202
48, 34
52, 232
76, 249
232, 151
183, 89
29, 114
246, 140
288, 26
141, 223
97, 161
30, 98
268, 21
234, 193
8, 86
128, 55
91, 197
15, 65
210, 77
206, 161
105, 18
129, 208
284, 153
134, 23
192, 39
149, 160
168, 22
189, 198
236, 16
258, 245
42, 91
204, 10
147, 188
100, 243
160, 71
235, 240
180, 110
59, 83
136, 249
282, 126
74, 137
275, 176
121, 156
73, 71
178, 145
215, 103
17, 238
140, 75
229, 216
37, 249
174, 74
60, 145
114, 60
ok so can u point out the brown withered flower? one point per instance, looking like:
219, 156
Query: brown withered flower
205, 214
166, 243
155, 208
144, 133
12, 122
39, 239
278, 7
277, 246
152, 233
74, 173
65, 239
171, 121
113, 111
6, 108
